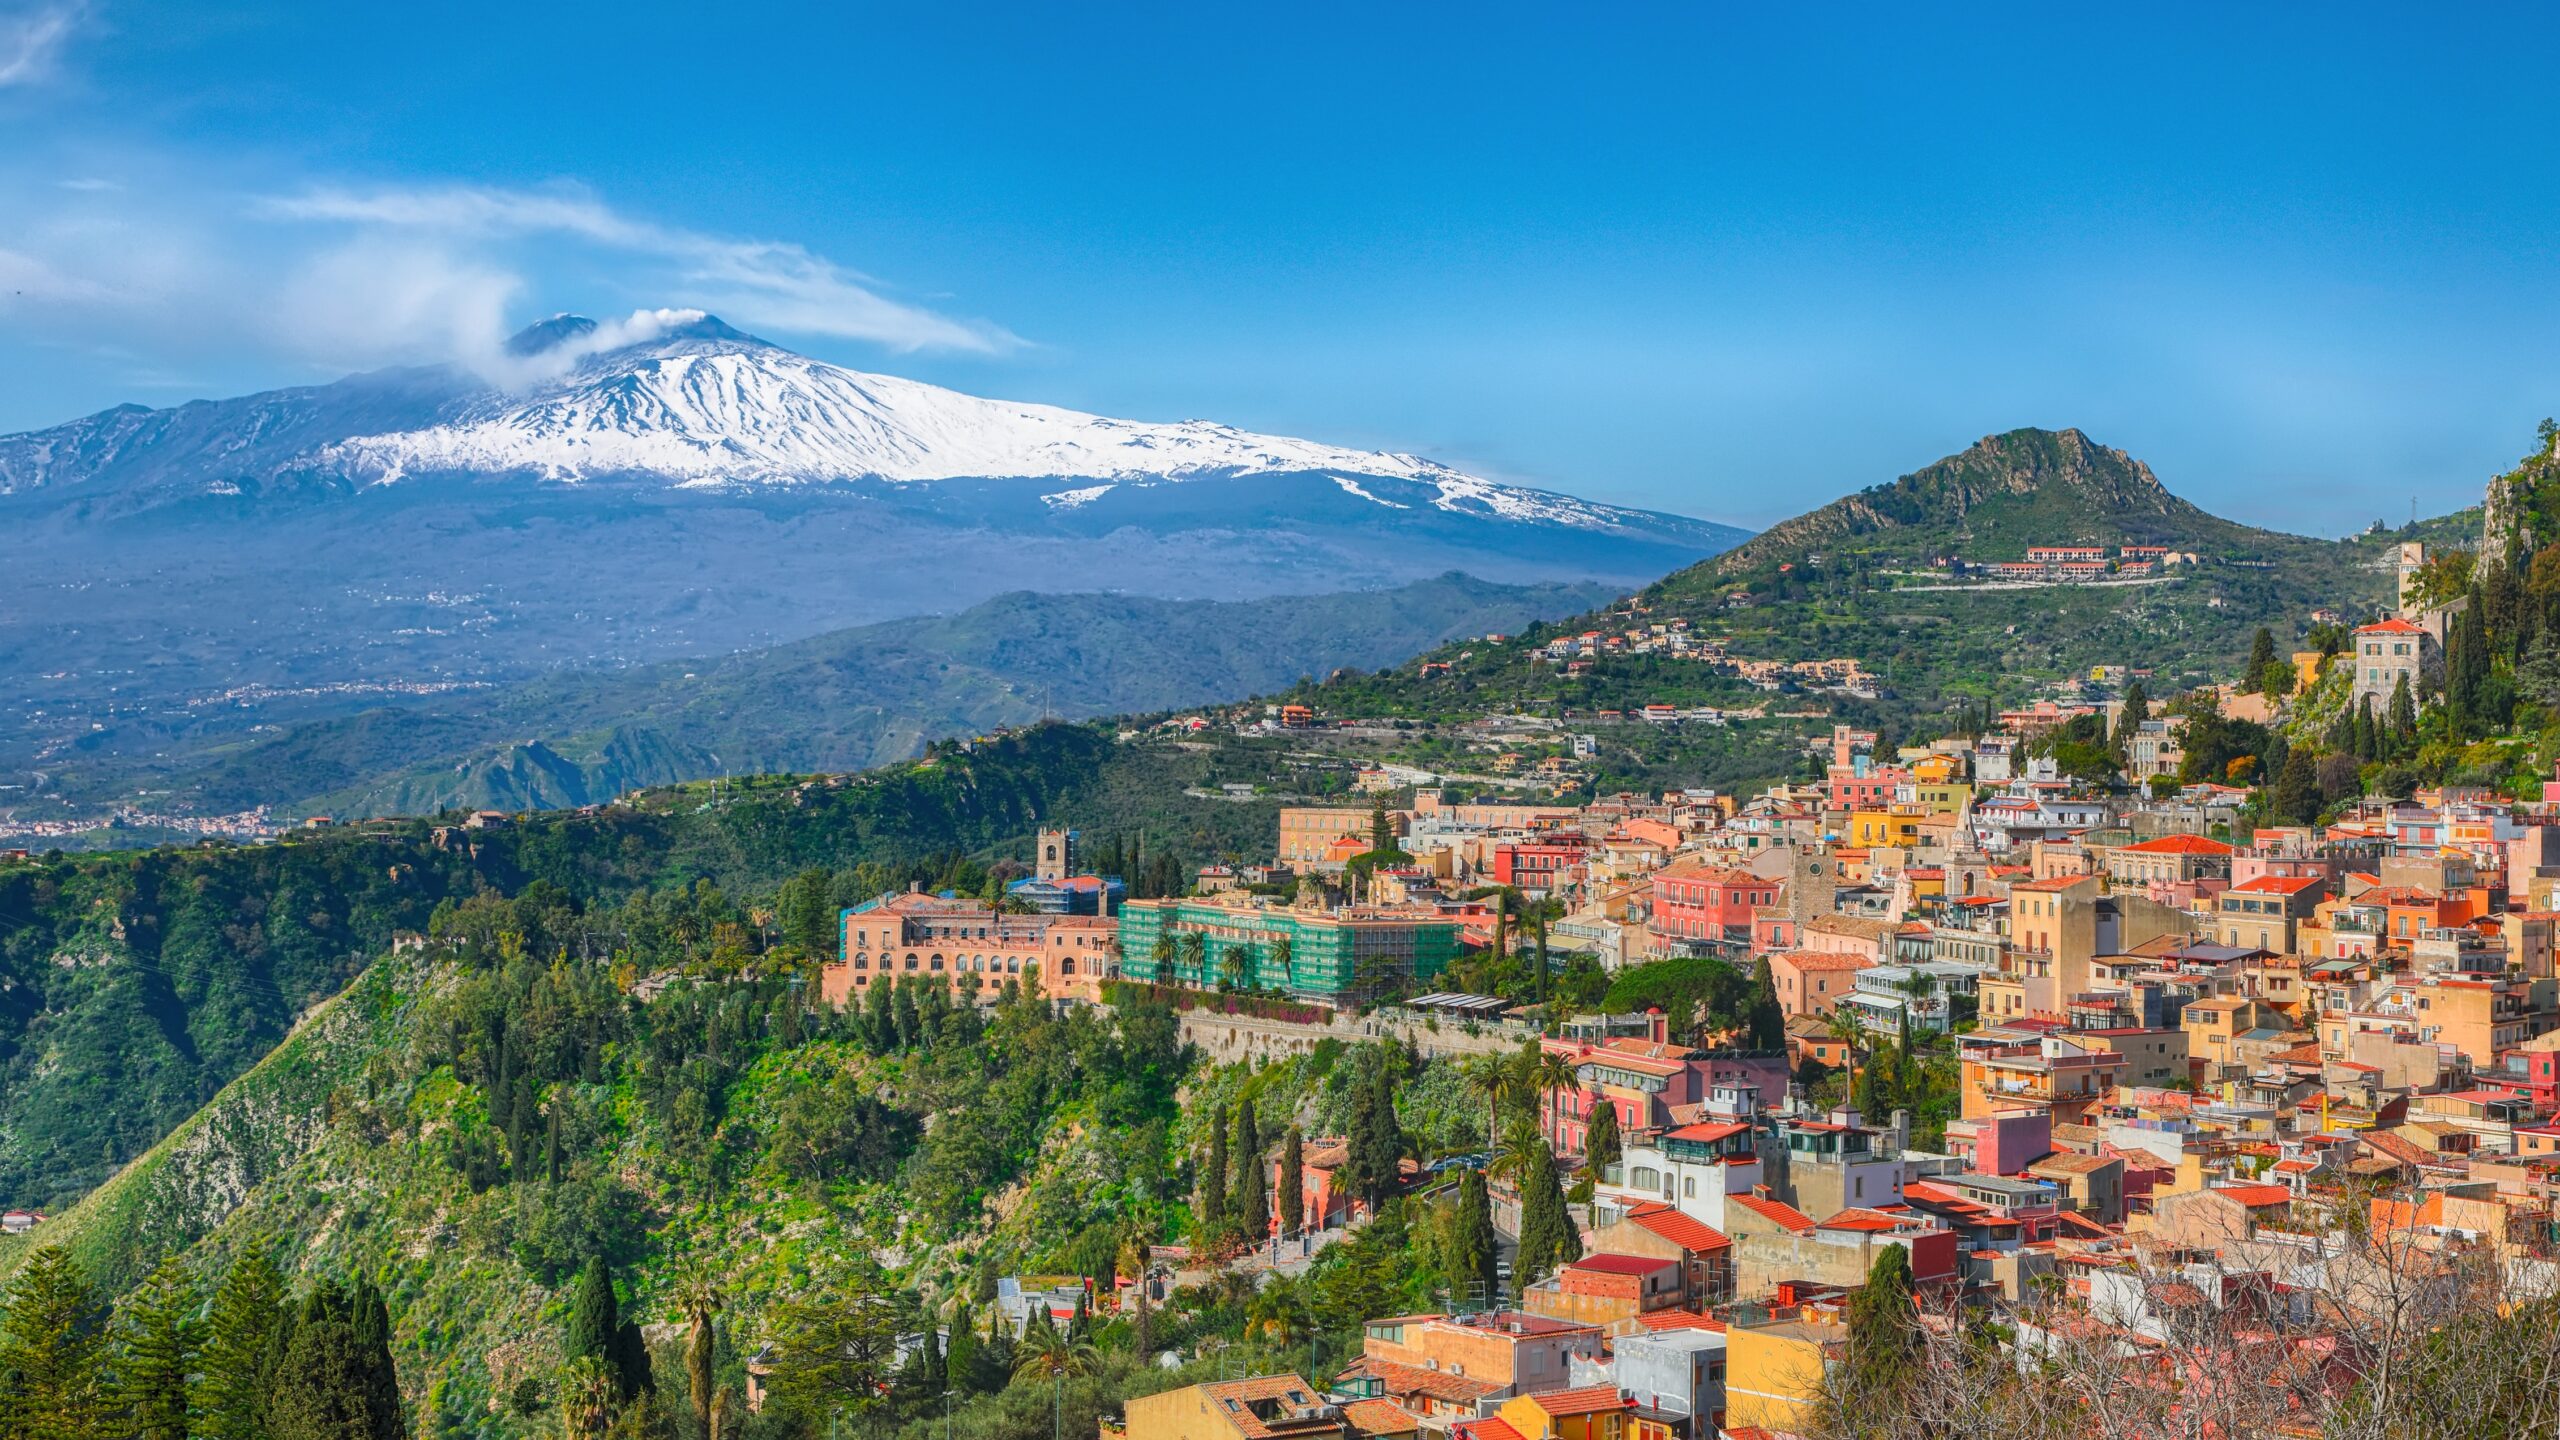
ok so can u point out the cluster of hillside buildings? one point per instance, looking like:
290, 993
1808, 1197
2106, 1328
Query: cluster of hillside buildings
2064, 563
2188, 1069
1673, 638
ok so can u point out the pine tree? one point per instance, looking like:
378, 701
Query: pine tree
1547, 1236
158, 1342
240, 1349
1213, 1180
1292, 1189
1252, 1196
52, 1337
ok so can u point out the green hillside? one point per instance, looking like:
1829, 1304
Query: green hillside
1856, 579
135, 984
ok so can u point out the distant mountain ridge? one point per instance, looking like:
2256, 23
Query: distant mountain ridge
848, 700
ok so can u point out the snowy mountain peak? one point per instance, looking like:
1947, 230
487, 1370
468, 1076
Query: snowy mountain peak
677, 394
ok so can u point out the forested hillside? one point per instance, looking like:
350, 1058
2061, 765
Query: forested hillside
133, 985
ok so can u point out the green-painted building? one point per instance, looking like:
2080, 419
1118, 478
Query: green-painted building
1314, 956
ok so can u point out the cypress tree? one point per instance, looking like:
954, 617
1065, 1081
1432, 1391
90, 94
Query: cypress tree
240, 1349
1476, 1255
335, 1380
2262, 653
879, 1026
551, 1146
1253, 1199
594, 1317
960, 1359
1884, 1329
1376, 1142
1293, 1189
2404, 718
1547, 1236
908, 1022
1765, 1021
1213, 1179
2129, 717
156, 1361
2296, 798
1601, 1147
52, 1335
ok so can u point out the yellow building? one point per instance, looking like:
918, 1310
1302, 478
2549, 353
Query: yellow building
1593, 1412
1937, 769
1266, 1407
1894, 825
1941, 797
1773, 1372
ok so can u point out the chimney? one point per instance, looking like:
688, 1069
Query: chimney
1763, 1192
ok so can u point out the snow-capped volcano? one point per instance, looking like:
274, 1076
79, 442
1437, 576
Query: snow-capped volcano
701, 404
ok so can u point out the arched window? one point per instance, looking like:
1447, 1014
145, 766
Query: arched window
936, 962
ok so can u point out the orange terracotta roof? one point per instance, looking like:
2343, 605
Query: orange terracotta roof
1493, 1429
1680, 1228
1584, 1401
2256, 1196
2393, 626
1414, 1380
1784, 1215
2279, 884
1380, 1417
1679, 1320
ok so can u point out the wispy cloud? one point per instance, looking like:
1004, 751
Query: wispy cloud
765, 283
31, 40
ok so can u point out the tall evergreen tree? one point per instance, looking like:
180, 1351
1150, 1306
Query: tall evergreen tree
2262, 653
1213, 1180
158, 1340
241, 1346
336, 1381
1292, 1195
1765, 1021
960, 1358
52, 1341
2296, 797
1884, 1329
1601, 1146
1547, 1236
1475, 1254
702, 1301
879, 1023
1252, 1196
2129, 717
2404, 718
1376, 1142
597, 1331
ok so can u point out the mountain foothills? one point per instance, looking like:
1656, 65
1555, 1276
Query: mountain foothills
2007, 953
847, 700
661, 487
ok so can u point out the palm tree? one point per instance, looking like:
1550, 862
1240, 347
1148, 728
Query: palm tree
1499, 1079
1047, 1351
1132, 1260
699, 1296
1850, 1031
588, 1394
1282, 952
1551, 1073
1194, 948
1522, 1151
1236, 966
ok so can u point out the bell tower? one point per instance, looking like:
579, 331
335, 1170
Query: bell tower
1057, 855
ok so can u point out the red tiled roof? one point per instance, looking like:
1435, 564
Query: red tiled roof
1493, 1429
2176, 845
1787, 1216
1859, 1217
2279, 884
1680, 1228
1414, 1380
2256, 1196
2393, 626
1619, 1264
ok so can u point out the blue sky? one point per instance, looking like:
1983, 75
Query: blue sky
1728, 263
